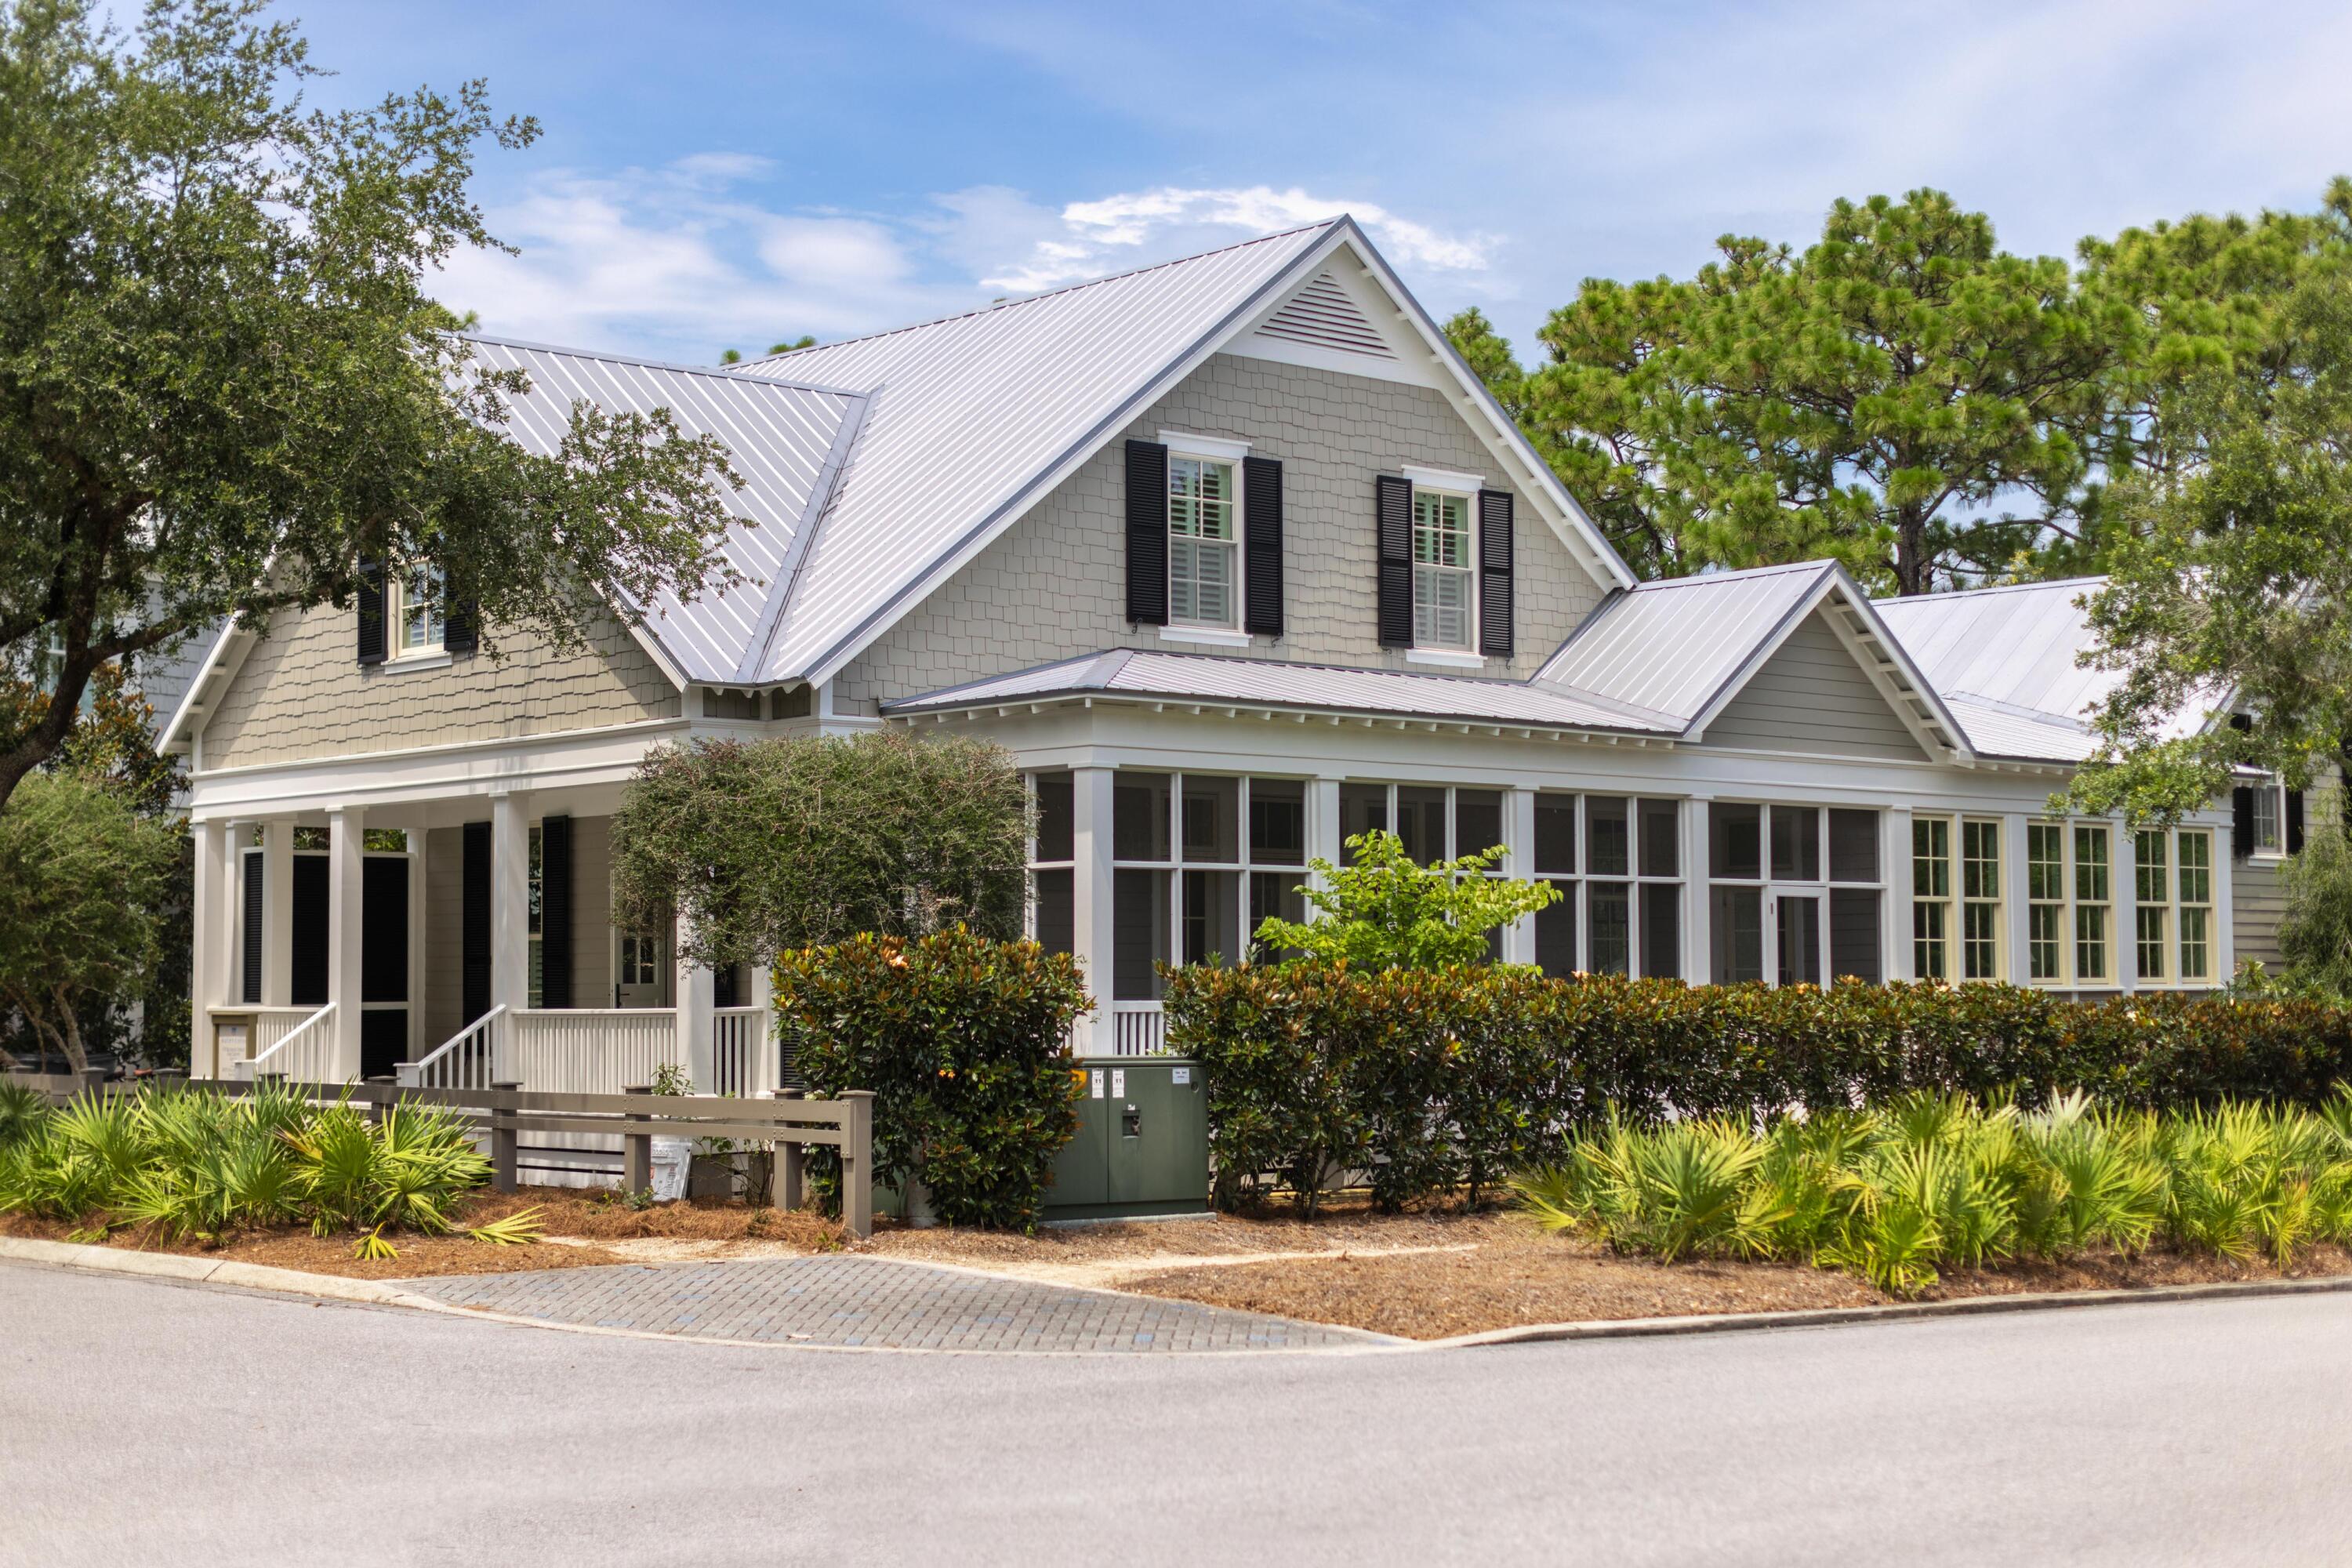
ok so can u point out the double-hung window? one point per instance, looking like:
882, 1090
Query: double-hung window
1442, 565
2151, 904
1204, 544
2094, 921
415, 608
2172, 913
2195, 888
1955, 897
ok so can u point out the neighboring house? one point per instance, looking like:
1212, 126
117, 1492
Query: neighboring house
1236, 558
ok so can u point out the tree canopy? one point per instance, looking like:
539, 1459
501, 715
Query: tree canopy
223, 387
762, 846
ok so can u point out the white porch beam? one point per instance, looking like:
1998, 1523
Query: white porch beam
511, 901
346, 938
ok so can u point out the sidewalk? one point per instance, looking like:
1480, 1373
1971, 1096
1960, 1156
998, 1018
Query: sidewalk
877, 1303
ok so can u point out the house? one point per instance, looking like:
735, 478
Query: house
1236, 558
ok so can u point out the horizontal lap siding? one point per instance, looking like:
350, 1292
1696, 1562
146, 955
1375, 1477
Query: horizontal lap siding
1811, 696
2257, 900
1054, 585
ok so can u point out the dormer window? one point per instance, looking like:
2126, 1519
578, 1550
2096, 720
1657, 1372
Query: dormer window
1441, 586
1203, 544
415, 608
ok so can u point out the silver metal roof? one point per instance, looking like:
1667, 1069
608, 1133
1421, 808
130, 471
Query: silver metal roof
1273, 683
784, 439
972, 415
1674, 645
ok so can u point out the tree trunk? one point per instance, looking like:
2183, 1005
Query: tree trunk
77, 1055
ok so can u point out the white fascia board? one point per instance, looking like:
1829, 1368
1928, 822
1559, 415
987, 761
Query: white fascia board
1835, 584
1223, 447
1017, 506
565, 759
1443, 479
221, 659
1502, 434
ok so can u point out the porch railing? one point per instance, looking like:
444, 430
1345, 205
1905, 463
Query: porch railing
305, 1053
1137, 1029
742, 1052
466, 1060
589, 1050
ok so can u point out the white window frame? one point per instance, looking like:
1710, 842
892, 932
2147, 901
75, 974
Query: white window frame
2073, 905
1954, 903
2271, 792
1227, 454
399, 595
1641, 887
2182, 905
1819, 889
2171, 908
1176, 863
1464, 488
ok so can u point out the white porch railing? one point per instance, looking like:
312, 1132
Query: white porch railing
466, 1060
249, 1029
589, 1050
1137, 1029
742, 1052
305, 1053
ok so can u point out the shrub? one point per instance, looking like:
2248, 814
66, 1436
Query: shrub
1425, 1081
961, 1039
1939, 1181
1382, 911
198, 1164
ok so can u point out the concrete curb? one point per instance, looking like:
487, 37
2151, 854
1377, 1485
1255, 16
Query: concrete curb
210, 1271
1900, 1311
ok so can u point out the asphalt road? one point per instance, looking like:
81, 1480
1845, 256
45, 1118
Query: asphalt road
147, 1422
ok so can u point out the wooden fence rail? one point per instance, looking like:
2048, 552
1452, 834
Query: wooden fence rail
506, 1110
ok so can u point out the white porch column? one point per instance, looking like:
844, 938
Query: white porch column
208, 964
1322, 823
511, 901
346, 844
1699, 896
2224, 963
1091, 932
277, 914
1520, 839
696, 990
2014, 887
1895, 920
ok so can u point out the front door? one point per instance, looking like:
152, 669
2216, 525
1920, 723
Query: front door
640, 969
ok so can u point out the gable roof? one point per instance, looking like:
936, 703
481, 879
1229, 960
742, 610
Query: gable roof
2006, 660
1686, 646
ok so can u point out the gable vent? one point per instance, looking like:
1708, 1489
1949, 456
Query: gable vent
1322, 314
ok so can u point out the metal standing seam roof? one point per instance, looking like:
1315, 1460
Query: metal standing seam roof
1214, 678
970, 413
783, 439
1672, 645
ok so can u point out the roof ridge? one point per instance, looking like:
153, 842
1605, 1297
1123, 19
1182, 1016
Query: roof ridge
1701, 579
1951, 593
723, 372
1011, 304
2020, 710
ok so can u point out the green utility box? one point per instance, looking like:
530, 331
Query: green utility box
1142, 1147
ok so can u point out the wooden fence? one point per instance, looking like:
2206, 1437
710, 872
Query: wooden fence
507, 1112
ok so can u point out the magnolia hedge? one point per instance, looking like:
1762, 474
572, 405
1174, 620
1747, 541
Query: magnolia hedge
1431, 1080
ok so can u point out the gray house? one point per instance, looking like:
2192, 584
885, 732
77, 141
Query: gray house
1236, 558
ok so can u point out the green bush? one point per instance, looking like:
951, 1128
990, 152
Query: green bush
1431, 1080
1931, 1181
196, 1163
961, 1039
1384, 910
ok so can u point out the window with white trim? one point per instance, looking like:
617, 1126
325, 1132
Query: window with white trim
1443, 594
1955, 897
1198, 861
1204, 544
1778, 907
2069, 912
2093, 919
415, 608
1052, 899
2152, 904
2172, 886
2270, 816
1433, 823
2193, 890
1617, 863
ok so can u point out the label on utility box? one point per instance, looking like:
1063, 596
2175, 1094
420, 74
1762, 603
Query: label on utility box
1096, 1075
1119, 1083
1180, 1077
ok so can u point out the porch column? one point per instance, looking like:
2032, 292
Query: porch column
1895, 920
2123, 888
511, 901
277, 914
346, 843
696, 990
1520, 839
207, 964
1698, 900
1091, 933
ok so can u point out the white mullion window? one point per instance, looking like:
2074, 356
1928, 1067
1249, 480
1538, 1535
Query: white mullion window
415, 608
1445, 592
2194, 890
1932, 922
2093, 916
1203, 544
1053, 870
2270, 818
1554, 860
1980, 924
2152, 905
2045, 906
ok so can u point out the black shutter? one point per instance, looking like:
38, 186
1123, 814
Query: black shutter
474, 924
2294, 822
371, 612
2241, 823
1262, 545
1146, 532
461, 621
1394, 522
555, 913
1494, 573
253, 867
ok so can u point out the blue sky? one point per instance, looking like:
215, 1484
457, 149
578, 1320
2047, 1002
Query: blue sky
716, 175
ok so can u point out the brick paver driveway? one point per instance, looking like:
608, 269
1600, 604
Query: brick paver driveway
875, 1302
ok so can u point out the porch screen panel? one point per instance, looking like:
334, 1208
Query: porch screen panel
306, 967
555, 913
474, 936
250, 867
383, 929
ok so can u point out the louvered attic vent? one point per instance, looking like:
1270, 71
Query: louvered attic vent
1322, 314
